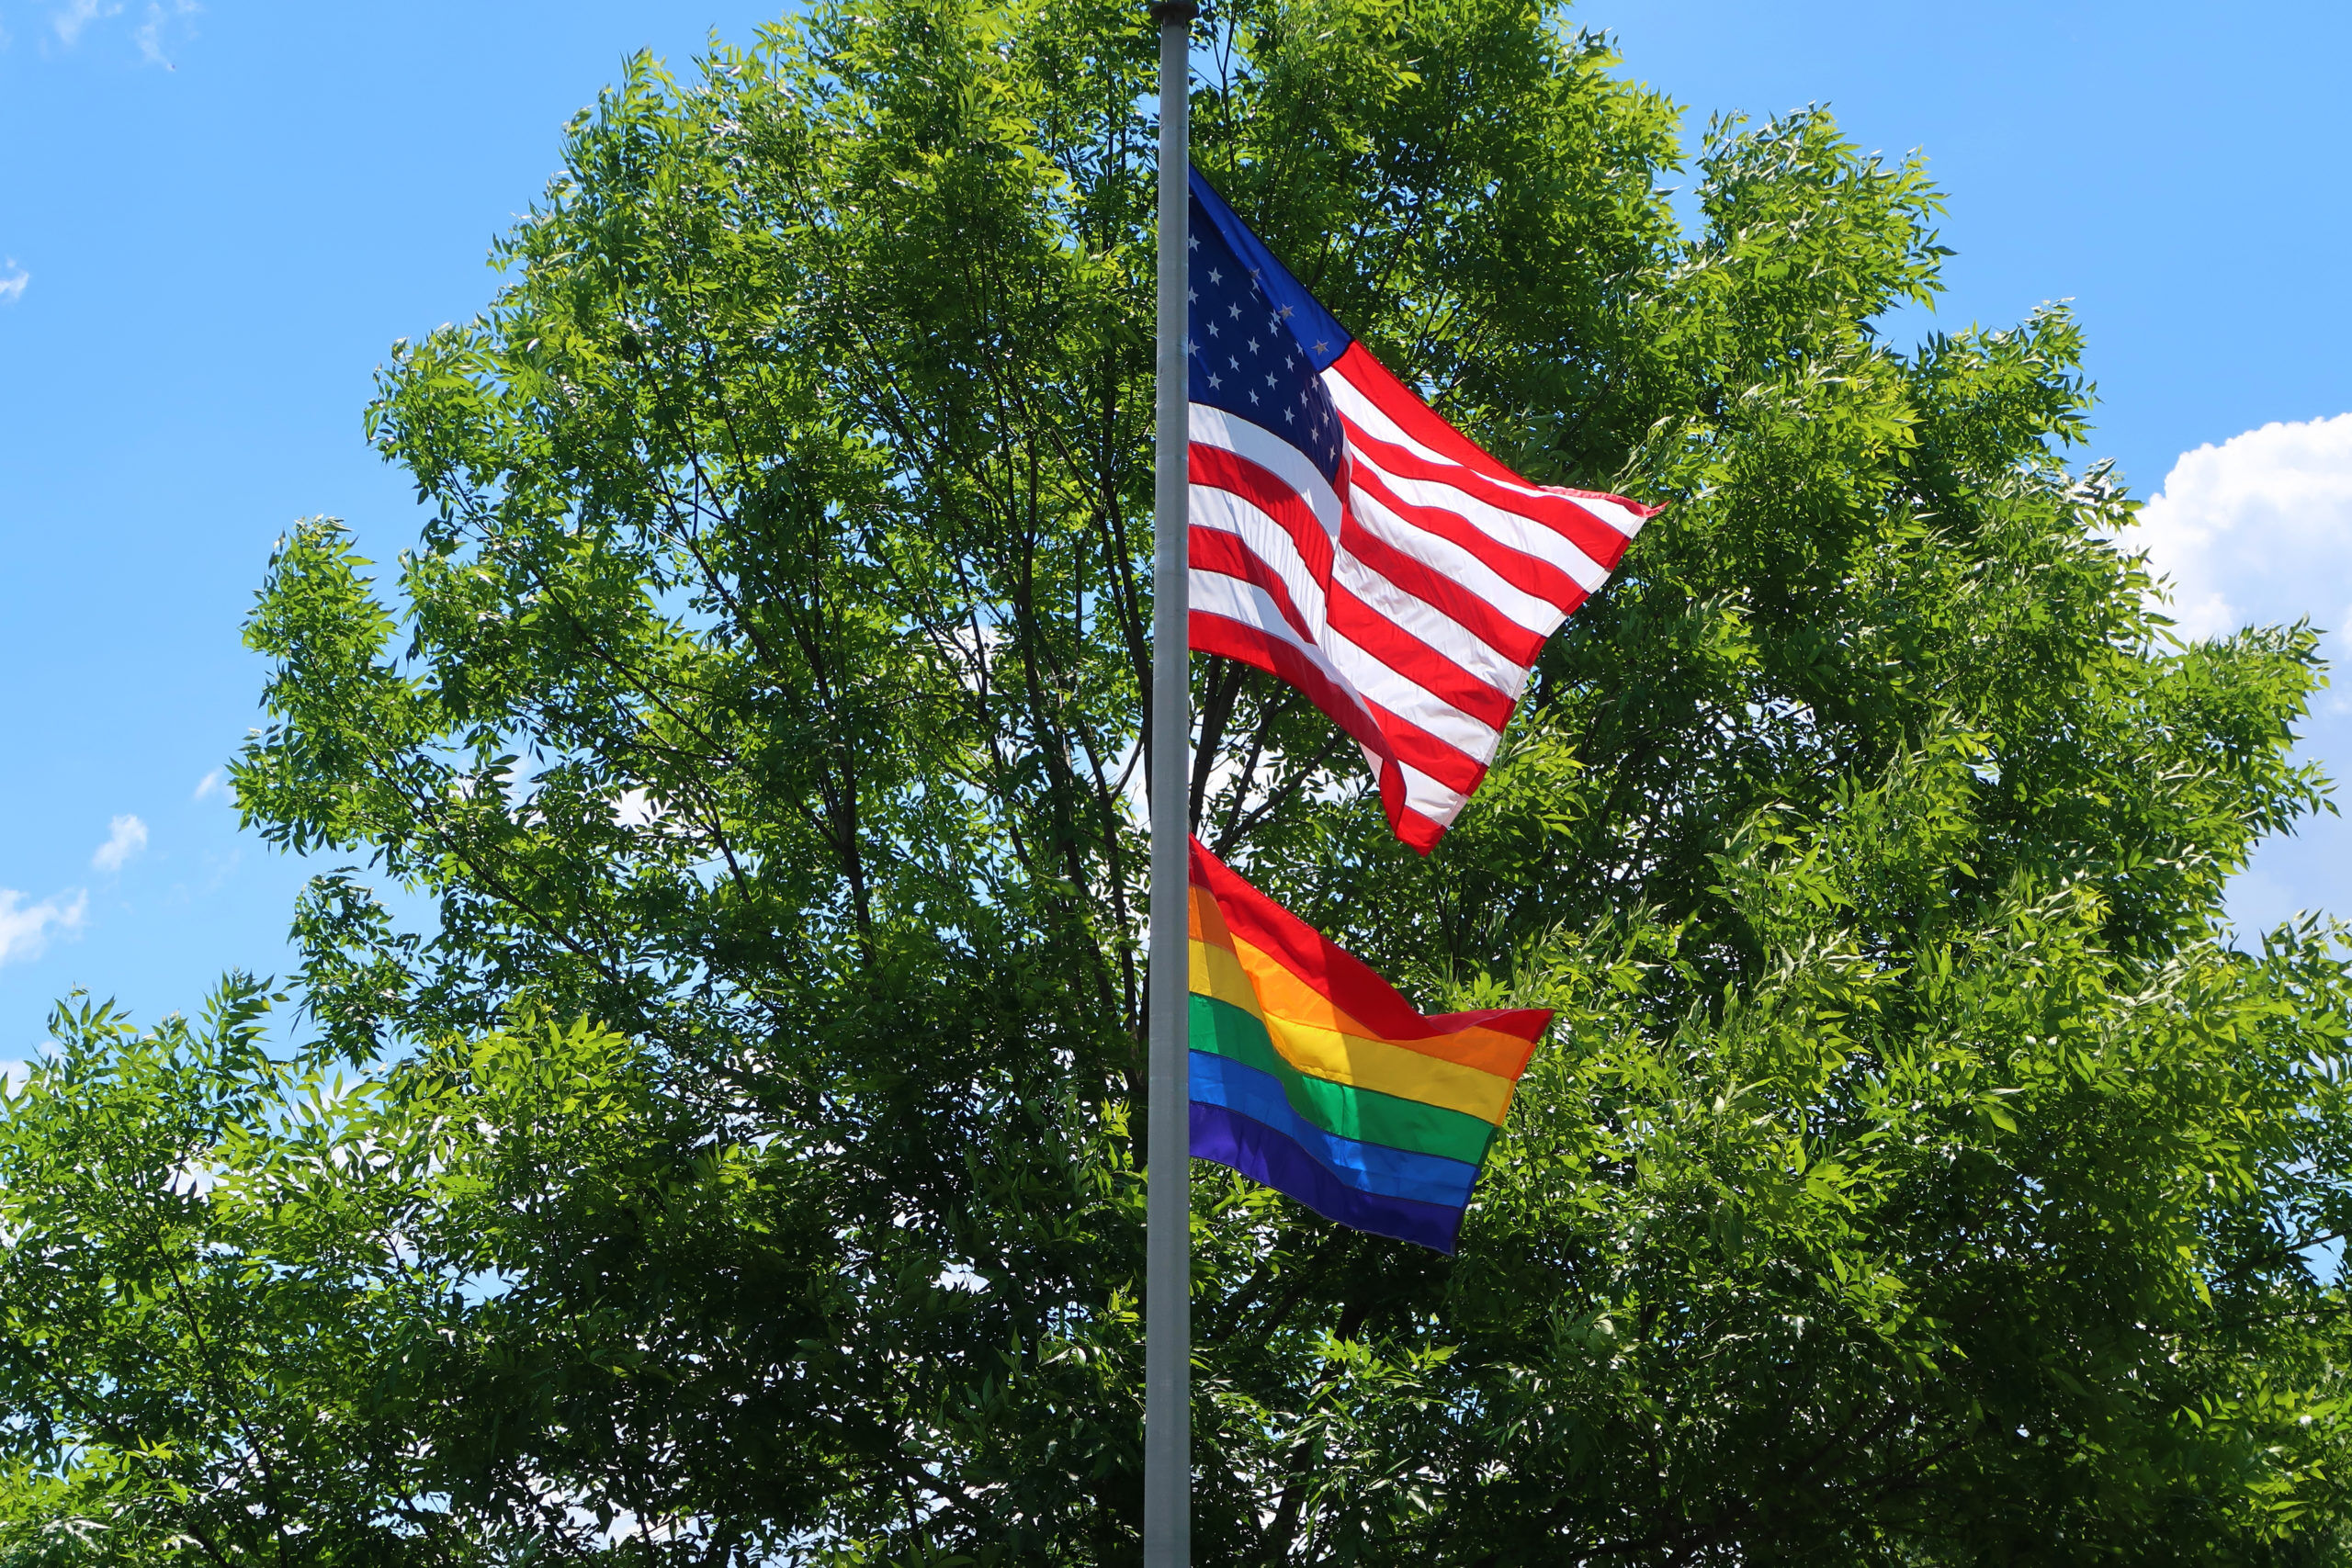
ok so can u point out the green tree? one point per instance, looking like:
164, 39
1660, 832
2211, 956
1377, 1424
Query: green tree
1918, 1173
201, 1273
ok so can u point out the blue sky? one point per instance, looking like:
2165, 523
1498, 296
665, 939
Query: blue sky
214, 218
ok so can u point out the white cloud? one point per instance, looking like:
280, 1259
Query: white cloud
150, 33
130, 836
635, 809
78, 15
12, 284
210, 785
2258, 530
24, 930
195, 1176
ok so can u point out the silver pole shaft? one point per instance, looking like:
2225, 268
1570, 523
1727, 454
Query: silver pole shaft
1168, 1240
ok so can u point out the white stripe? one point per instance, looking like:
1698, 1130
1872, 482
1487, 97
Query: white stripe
1226, 513
1422, 619
1449, 560
1439, 803
1418, 705
1214, 593
1357, 404
1509, 529
1214, 427
1605, 509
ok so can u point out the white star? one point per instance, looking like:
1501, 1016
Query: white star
1215, 277
1234, 310
1192, 241
1285, 312
1253, 400
1253, 345
1290, 416
1191, 297
1270, 377
1192, 347
1321, 346
1212, 329
1215, 381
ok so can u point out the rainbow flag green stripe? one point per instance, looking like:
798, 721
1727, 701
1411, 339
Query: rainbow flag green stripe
1365, 1114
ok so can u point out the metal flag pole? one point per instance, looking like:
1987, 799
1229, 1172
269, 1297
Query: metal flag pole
1168, 1241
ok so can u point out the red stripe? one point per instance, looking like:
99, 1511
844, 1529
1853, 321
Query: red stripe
1477, 616
1529, 574
1253, 646
1642, 510
1599, 543
1424, 424
1220, 469
1214, 549
1414, 417
1417, 661
1416, 831
1441, 759
1392, 802
1351, 985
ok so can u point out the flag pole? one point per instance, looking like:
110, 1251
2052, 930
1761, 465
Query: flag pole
1168, 1242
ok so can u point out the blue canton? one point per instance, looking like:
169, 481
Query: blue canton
1246, 356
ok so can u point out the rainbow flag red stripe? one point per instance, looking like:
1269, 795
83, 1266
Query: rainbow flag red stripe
1312, 1075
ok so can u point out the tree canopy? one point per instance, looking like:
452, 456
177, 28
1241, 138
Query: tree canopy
741, 1162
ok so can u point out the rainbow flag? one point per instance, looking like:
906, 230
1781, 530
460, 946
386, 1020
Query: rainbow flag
1312, 1075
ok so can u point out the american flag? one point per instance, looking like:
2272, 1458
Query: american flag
1346, 539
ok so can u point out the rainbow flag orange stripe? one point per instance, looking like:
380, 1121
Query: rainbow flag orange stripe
1312, 1075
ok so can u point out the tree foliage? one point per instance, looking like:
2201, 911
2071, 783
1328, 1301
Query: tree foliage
741, 1164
